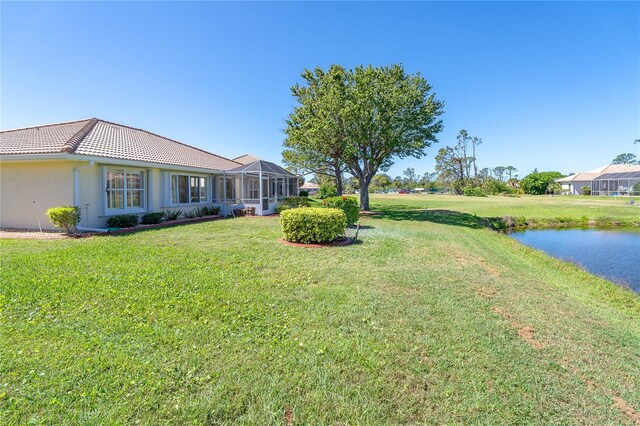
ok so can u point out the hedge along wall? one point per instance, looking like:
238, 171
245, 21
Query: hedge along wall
310, 225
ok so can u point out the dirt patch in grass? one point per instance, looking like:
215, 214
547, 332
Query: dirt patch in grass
527, 333
628, 410
288, 416
486, 293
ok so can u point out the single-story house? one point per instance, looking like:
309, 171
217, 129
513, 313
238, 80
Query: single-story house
108, 169
612, 179
310, 187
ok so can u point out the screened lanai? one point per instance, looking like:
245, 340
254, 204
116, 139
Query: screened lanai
241, 186
623, 183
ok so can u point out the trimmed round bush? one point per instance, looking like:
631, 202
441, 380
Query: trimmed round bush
308, 225
65, 217
349, 205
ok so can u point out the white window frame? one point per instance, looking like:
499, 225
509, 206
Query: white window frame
125, 191
175, 201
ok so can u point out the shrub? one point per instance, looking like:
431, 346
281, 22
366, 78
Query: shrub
122, 221
349, 205
282, 207
471, 191
303, 193
296, 201
190, 214
170, 215
65, 217
293, 203
312, 225
210, 210
495, 187
327, 190
586, 190
152, 218
538, 183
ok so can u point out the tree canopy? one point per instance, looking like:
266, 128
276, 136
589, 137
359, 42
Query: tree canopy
364, 117
538, 183
315, 139
626, 158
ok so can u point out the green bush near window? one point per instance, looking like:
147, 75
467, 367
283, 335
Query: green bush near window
171, 215
303, 193
310, 225
349, 205
65, 217
586, 190
122, 221
208, 211
152, 218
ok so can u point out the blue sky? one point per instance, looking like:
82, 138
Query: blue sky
549, 85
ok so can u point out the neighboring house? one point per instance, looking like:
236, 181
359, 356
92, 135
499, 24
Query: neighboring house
108, 169
613, 179
310, 187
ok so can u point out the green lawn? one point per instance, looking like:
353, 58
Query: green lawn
535, 207
425, 321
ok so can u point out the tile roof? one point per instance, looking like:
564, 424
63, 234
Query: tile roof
594, 174
47, 139
100, 138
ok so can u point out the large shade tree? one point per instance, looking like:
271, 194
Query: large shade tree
315, 140
374, 114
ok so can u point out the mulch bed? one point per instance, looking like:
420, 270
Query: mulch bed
162, 225
370, 213
338, 243
58, 235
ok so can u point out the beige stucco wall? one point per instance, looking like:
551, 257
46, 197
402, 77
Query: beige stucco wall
47, 183
51, 183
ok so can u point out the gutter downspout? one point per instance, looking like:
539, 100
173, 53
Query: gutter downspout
76, 182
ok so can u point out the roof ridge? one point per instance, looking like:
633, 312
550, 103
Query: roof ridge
72, 144
164, 137
45, 125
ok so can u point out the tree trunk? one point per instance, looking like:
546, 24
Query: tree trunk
364, 196
338, 172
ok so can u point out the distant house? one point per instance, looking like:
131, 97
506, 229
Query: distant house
108, 169
613, 179
310, 187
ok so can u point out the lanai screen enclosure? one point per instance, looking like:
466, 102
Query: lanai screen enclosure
261, 185
624, 183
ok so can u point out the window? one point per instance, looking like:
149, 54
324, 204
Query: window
280, 187
293, 187
125, 189
226, 192
188, 189
252, 188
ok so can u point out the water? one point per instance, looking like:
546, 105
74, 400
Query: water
612, 253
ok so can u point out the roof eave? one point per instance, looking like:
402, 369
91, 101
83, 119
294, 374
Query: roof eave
105, 160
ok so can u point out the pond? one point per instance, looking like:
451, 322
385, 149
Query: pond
611, 253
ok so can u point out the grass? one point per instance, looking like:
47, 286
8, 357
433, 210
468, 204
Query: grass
424, 321
603, 209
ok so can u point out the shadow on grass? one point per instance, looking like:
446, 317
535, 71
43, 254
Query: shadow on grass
445, 217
